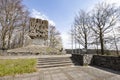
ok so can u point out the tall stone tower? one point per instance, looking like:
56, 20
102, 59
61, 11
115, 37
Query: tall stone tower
38, 31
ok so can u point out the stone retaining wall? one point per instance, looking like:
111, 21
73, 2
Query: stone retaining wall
78, 58
111, 62
82, 59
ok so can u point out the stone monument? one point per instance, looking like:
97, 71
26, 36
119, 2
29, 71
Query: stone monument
38, 31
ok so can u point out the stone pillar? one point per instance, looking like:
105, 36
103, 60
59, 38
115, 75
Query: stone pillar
87, 59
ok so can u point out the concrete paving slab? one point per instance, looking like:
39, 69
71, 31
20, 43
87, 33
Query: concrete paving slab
69, 73
81, 73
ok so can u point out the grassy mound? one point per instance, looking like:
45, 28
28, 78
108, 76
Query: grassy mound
17, 66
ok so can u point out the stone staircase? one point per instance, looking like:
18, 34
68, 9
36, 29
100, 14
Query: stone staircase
51, 62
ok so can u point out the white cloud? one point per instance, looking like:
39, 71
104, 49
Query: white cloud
66, 40
117, 2
38, 14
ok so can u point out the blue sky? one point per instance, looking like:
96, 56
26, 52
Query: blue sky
60, 13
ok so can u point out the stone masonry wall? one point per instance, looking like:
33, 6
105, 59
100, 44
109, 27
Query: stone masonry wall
78, 58
111, 62
82, 59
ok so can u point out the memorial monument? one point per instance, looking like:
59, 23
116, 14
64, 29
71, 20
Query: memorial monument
38, 31
38, 40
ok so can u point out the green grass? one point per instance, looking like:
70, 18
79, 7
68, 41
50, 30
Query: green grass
17, 66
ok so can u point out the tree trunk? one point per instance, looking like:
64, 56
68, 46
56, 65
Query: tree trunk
10, 35
86, 43
23, 33
101, 42
3, 43
3, 38
9, 38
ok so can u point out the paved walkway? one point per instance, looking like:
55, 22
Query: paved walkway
78, 73
68, 73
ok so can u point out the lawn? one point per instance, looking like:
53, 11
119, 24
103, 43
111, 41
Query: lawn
17, 66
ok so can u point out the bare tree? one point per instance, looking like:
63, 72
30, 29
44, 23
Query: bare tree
95, 42
113, 41
24, 26
72, 38
82, 28
116, 40
10, 18
104, 17
0, 38
54, 37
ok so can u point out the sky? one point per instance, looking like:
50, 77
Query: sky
61, 13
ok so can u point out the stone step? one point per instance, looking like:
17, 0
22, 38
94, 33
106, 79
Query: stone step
54, 65
54, 58
45, 63
54, 62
